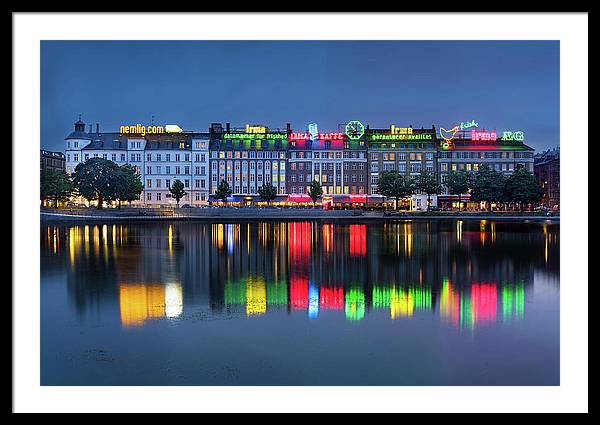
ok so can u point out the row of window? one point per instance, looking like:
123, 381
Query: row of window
485, 155
324, 178
401, 156
327, 166
248, 154
157, 196
331, 190
249, 189
158, 169
391, 166
502, 166
327, 155
198, 184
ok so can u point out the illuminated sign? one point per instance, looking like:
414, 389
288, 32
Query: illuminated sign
171, 128
401, 130
254, 136
448, 136
255, 129
320, 136
468, 124
313, 130
513, 136
141, 130
355, 130
484, 136
422, 136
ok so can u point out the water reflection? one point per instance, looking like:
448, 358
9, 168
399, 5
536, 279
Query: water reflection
466, 274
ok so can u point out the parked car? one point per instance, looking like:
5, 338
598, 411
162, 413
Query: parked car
186, 206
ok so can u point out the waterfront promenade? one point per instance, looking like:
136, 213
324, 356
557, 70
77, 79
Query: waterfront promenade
230, 213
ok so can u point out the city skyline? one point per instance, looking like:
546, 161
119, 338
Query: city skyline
327, 82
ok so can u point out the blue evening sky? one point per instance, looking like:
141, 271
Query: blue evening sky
507, 85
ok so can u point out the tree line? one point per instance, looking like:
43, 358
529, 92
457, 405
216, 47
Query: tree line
96, 179
484, 185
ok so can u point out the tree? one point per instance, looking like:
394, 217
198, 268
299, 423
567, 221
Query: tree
267, 192
395, 185
128, 185
56, 186
488, 186
95, 180
177, 190
521, 187
223, 191
458, 182
315, 191
428, 183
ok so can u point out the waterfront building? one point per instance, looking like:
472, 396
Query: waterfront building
246, 158
51, 160
546, 168
407, 150
335, 160
466, 147
160, 154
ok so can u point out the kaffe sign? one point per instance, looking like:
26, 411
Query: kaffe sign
320, 136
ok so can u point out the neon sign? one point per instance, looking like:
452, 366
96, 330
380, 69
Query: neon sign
484, 136
141, 130
513, 136
255, 129
254, 136
172, 128
400, 130
320, 136
422, 136
313, 131
355, 130
468, 124
448, 136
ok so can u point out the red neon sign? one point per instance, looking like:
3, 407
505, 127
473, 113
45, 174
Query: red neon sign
485, 136
322, 136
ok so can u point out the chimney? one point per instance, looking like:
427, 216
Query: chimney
227, 127
97, 127
289, 127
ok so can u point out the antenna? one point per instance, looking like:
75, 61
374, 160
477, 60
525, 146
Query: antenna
152, 119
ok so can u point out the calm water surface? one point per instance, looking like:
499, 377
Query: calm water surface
300, 303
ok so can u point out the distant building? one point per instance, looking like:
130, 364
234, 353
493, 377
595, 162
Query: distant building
547, 173
51, 160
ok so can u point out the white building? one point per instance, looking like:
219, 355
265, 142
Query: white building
160, 159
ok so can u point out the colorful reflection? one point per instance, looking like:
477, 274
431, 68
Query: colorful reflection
313, 301
256, 296
355, 304
513, 301
358, 239
142, 302
401, 302
299, 293
331, 298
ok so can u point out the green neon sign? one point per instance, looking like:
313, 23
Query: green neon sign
517, 136
423, 136
355, 130
254, 136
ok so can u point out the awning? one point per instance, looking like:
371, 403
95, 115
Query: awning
375, 199
299, 197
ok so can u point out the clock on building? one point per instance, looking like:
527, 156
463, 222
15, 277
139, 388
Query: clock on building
355, 130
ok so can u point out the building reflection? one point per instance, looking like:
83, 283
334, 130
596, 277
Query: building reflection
466, 274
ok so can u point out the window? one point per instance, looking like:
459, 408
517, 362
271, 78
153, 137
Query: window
114, 157
148, 196
187, 183
158, 183
148, 183
158, 196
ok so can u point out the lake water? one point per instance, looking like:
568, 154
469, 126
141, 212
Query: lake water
440, 302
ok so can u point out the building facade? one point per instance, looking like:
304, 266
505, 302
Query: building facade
547, 173
160, 157
347, 163
336, 161
470, 148
247, 158
51, 161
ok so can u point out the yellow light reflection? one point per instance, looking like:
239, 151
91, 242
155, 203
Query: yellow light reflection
170, 240
401, 303
256, 296
141, 302
459, 225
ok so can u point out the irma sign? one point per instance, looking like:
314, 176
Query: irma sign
401, 133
